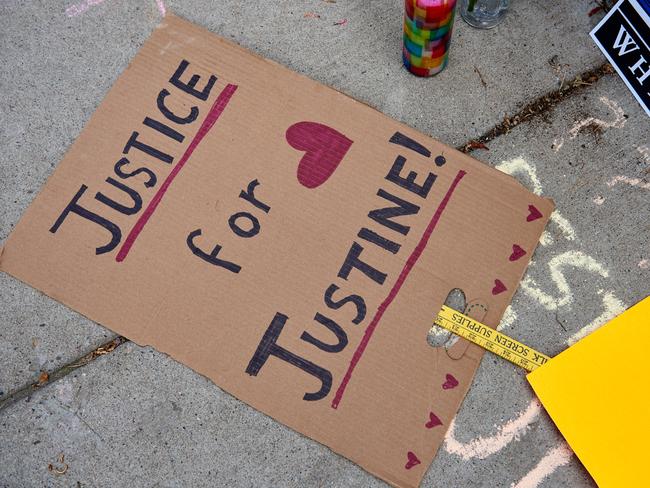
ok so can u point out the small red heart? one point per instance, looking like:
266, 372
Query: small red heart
533, 213
412, 460
450, 382
324, 149
434, 421
499, 287
517, 252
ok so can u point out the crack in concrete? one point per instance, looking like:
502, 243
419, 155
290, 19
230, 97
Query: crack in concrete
76, 415
533, 109
26, 391
539, 106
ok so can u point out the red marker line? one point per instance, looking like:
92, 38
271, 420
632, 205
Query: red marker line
217, 108
410, 262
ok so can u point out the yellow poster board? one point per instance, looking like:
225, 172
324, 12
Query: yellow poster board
598, 394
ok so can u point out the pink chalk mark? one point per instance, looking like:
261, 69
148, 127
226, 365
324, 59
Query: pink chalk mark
413, 258
74, 10
217, 109
629, 181
161, 7
556, 457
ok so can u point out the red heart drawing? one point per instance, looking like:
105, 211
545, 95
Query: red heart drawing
434, 421
517, 252
450, 382
412, 460
499, 287
533, 213
324, 149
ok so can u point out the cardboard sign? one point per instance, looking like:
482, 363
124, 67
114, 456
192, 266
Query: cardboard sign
623, 36
288, 242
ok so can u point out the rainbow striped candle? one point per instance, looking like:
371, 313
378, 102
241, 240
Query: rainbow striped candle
427, 35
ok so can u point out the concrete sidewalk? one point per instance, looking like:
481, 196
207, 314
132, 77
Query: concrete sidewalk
130, 416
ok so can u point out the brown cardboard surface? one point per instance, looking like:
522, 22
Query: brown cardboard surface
219, 219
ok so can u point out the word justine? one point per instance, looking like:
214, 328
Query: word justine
392, 230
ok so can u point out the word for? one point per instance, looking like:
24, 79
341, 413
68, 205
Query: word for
236, 222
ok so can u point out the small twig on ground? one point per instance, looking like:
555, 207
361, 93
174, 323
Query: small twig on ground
480, 76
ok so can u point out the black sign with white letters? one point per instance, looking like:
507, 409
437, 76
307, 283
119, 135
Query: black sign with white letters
624, 35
